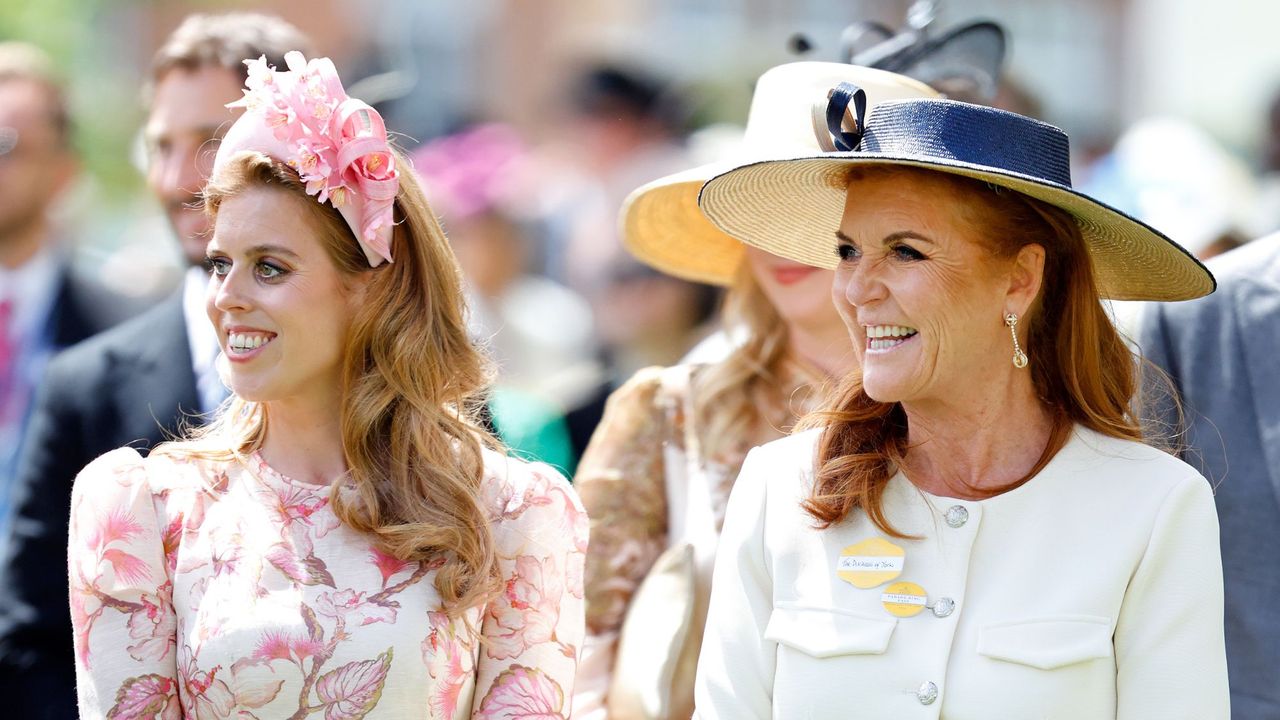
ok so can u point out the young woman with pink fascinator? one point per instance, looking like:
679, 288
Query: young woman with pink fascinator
343, 538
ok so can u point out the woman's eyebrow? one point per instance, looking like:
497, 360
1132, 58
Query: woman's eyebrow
907, 235
274, 250
891, 237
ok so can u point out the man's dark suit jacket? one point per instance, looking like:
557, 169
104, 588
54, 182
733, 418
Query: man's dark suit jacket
127, 386
82, 308
1223, 354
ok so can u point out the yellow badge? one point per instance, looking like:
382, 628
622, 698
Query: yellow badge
904, 599
870, 563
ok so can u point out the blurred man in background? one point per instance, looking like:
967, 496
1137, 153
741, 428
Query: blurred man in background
43, 306
138, 383
1220, 352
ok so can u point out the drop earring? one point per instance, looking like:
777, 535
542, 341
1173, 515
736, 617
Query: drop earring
1019, 357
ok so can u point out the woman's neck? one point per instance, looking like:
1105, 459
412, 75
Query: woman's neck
304, 440
989, 441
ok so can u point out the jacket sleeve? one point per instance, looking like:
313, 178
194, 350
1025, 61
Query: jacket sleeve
1170, 656
122, 610
622, 483
736, 666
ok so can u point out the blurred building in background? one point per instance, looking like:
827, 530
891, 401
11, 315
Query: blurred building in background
1093, 66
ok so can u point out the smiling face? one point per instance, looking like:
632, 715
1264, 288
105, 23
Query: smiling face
281, 307
922, 292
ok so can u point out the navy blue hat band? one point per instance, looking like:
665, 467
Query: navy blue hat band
973, 134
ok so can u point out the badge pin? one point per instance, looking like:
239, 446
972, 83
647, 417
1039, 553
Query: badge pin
870, 563
904, 599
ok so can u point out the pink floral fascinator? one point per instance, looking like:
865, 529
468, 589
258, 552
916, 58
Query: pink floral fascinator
337, 144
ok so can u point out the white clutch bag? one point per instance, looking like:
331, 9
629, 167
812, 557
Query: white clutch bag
657, 648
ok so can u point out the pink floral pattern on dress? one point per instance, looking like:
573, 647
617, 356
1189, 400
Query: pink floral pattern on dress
447, 653
524, 693
215, 590
152, 627
207, 697
529, 609
147, 697
353, 609
387, 565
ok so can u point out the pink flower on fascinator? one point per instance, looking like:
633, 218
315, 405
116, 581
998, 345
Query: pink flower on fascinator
337, 144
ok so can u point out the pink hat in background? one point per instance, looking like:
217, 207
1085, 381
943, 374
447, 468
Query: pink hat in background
470, 172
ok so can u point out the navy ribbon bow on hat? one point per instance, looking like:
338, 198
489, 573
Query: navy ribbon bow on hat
837, 105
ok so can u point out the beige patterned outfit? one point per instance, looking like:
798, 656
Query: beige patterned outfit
634, 480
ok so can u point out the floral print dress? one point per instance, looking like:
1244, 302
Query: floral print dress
207, 590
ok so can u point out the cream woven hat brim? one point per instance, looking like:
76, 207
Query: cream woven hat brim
663, 227
661, 223
793, 207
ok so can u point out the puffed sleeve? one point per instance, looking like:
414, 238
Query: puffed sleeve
121, 594
1170, 655
622, 483
736, 666
533, 630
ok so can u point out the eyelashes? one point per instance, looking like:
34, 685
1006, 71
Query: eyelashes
905, 253
220, 266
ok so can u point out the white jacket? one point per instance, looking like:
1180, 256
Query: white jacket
1092, 591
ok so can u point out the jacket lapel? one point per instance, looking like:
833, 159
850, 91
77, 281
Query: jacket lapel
155, 384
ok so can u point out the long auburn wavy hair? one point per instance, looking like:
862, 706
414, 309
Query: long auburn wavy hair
738, 397
412, 386
1081, 367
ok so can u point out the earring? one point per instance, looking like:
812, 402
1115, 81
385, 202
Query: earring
1019, 357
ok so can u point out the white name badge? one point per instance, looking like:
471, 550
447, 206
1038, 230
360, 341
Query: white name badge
850, 563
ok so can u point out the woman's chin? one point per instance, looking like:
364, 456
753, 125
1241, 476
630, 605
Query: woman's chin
250, 392
883, 389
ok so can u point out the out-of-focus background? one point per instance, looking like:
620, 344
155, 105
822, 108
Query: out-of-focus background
532, 121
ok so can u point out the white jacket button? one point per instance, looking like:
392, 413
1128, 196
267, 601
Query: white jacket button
927, 693
957, 516
944, 607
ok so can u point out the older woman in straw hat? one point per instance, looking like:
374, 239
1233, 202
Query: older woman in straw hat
977, 526
657, 474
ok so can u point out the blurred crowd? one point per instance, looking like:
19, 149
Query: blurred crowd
566, 314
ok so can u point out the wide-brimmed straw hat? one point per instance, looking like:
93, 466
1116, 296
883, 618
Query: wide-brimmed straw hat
661, 223
793, 207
